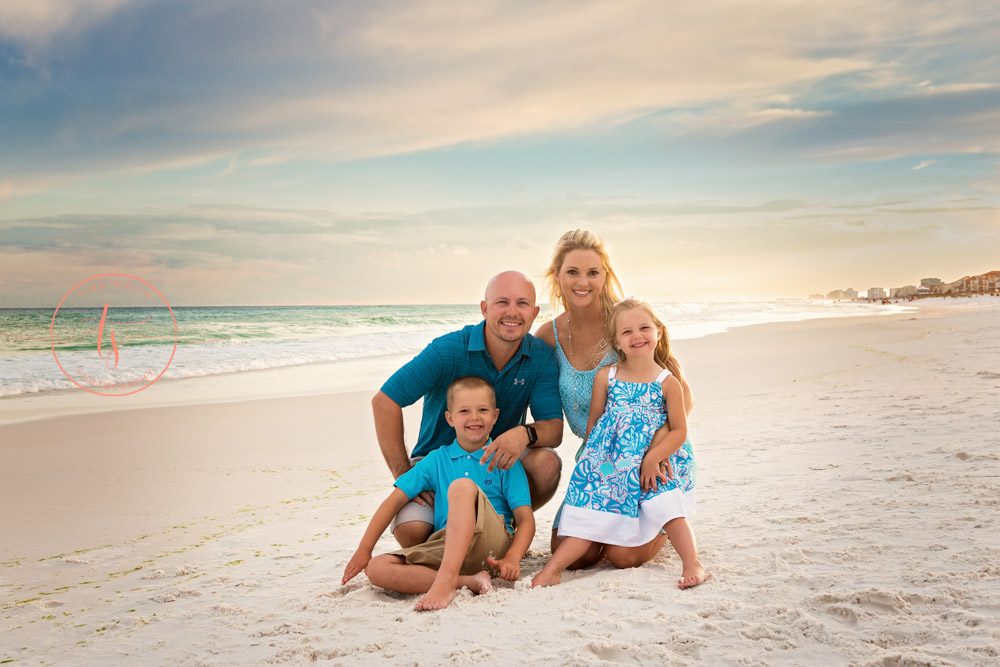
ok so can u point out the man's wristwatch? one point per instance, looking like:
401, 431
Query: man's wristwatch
532, 434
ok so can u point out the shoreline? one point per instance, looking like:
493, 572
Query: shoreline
328, 377
846, 510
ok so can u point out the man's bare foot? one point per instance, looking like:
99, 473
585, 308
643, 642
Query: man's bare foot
692, 577
545, 578
438, 597
482, 583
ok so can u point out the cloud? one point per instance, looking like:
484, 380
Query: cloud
33, 23
156, 85
771, 115
929, 88
923, 165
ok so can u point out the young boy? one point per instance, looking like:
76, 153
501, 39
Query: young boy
476, 505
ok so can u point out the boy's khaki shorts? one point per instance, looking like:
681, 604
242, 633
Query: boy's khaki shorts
489, 538
414, 511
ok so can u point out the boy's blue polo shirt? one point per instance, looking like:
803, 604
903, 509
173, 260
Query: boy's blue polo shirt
506, 489
530, 379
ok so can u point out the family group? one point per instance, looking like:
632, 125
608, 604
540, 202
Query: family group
463, 501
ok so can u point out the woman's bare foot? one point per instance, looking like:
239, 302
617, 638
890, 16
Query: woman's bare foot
438, 597
691, 577
545, 578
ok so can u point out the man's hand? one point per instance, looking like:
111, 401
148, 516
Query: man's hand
650, 474
507, 447
424, 498
510, 568
359, 561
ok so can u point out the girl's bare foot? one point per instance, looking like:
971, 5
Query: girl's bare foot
545, 578
691, 577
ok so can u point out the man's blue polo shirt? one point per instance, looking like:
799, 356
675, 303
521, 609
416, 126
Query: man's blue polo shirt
530, 379
506, 489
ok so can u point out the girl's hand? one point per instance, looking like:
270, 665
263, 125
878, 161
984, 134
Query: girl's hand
650, 474
665, 465
510, 568
359, 561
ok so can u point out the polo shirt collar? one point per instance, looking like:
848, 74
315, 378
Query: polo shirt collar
455, 451
477, 338
477, 341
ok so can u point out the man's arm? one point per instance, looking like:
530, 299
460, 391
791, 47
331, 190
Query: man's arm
510, 444
389, 433
405, 387
380, 521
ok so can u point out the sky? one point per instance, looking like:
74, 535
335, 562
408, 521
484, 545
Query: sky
248, 152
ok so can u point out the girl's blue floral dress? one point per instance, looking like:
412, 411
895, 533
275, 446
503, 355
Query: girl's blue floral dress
605, 502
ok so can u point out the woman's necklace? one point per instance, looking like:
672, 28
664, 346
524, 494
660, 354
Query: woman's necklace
569, 329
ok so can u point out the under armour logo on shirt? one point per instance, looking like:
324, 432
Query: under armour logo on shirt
518, 381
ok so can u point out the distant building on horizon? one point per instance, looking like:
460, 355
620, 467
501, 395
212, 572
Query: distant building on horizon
843, 294
985, 283
900, 292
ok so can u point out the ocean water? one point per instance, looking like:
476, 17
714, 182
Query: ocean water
223, 340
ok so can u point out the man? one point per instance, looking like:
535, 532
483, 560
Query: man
523, 372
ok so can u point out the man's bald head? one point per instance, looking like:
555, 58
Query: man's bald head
508, 280
508, 307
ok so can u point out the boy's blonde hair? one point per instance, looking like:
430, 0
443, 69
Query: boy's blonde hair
582, 239
470, 382
662, 354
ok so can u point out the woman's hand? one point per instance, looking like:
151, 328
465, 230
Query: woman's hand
651, 474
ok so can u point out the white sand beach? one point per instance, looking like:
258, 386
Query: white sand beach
849, 477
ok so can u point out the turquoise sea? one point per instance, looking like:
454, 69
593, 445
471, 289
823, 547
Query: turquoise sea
225, 339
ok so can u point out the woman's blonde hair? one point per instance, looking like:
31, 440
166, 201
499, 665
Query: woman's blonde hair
582, 239
662, 354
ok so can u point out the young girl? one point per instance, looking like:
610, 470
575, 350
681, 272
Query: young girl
629, 484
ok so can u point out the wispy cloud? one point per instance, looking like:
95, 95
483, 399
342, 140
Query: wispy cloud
153, 85
923, 165
771, 115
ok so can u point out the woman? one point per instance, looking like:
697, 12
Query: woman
582, 284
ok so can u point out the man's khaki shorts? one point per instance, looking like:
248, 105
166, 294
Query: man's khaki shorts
489, 538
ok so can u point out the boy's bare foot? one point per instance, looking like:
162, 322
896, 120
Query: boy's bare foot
438, 597
545, 578
483, 583
691, 578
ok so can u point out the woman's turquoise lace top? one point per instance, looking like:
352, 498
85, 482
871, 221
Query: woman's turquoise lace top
575, 387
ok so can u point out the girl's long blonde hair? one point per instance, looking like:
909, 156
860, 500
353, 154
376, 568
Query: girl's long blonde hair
662, 354
582, 239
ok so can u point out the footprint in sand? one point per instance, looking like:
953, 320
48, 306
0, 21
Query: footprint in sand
880, 601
